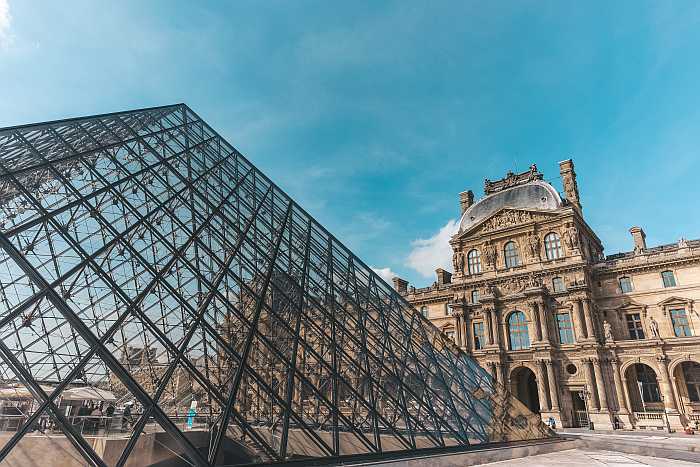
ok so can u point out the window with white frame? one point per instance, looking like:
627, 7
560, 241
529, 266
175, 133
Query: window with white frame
668, 279
510, 253
552, 246
625, 284
474, 262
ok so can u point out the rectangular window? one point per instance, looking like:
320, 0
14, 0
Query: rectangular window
450, 335
448, 309
635, 327
625, 284
566, 329
681, 327
479, 335
668, 278
558, 284
475, 296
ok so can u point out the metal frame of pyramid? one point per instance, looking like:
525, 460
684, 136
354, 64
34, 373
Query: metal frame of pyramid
142, 256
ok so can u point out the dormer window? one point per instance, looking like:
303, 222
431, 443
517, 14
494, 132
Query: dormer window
625, 284
510, 253
668, 278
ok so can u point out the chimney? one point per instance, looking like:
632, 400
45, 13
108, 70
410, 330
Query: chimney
568, 179
400, 285
443, 277
639, 237
466, 199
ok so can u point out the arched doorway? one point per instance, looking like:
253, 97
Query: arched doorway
687, 377
524, 387
643, 388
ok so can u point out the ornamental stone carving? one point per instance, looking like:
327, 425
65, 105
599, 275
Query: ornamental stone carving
654, 327
458, 261
490, 253
571, 237
607, 329
533, 246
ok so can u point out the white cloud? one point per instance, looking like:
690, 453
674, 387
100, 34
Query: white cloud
385, 273
5, 21
435, 252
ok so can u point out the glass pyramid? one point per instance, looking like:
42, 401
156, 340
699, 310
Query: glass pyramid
162, 302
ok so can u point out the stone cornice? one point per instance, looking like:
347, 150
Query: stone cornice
635, 264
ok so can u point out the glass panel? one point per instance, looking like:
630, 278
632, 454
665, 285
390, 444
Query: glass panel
681, 326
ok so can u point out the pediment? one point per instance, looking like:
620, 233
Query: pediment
630, 305
673, 301
506, 218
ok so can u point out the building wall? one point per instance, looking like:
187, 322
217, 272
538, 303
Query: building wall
602, 363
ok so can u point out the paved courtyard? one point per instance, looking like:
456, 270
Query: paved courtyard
591, 458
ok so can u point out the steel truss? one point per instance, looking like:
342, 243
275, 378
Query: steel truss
142, 255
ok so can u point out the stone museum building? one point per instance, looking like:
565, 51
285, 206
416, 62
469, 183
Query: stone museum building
576, 335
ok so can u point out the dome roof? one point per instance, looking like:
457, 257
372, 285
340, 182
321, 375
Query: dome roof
537, 195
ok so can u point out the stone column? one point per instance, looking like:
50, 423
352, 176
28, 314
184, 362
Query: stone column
589, 318
600, 384
576, 321
541, 386
492, 370
579, 315
487, 326
502, 373
666, 389
543, 320
458, 327
466, 340
495, 327
536, 319
553, 392
588, 364
622, 404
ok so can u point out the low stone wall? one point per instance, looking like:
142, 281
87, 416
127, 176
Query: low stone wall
481, 455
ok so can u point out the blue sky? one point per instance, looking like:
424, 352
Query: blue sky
375, 115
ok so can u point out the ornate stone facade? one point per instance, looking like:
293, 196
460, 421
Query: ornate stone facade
576, 335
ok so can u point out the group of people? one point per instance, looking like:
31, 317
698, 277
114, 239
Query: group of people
92, 416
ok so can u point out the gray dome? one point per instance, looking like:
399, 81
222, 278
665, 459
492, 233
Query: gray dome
537, 195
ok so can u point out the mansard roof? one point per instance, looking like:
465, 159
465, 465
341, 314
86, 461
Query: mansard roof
536, 194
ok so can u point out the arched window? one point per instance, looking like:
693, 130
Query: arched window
474, 262
646, 378
510, 253
517, 331
424, 311
552, 246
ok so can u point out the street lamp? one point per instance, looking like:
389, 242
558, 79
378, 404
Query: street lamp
668, 423
583, 394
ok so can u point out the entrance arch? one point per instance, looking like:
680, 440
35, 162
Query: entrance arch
523, 384
687, 377
643, 388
